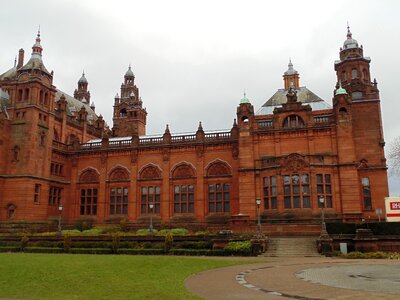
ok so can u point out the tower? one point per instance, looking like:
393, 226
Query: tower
360, 140
291, 77
82, 93
129, 116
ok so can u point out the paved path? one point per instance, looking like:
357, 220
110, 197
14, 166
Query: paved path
301, 278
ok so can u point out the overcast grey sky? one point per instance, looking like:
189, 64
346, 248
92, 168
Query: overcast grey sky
193, 59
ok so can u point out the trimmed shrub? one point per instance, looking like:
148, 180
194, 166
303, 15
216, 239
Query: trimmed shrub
144, 232
238, 248
123, 224
9, 249
24, 242
43, 250
383, 228
198, 252
141, 251
195, 245
90, 251
115, 242
168, 242
67, 243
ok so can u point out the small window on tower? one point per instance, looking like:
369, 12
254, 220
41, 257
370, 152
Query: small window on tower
354, 74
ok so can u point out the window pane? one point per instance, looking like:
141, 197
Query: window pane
211, 188
296, 202
211, 207
151, 190
184, 197
328, 189
287, 202
177, 198
144, 190
143, 208
125, 191
94, 192
112, 210
286, 179
211, 196
296, 189
177, 189
183, 207
94, 210
82, 210
327, 178
266, 203
219, 206
287, 189
158, 190
319, 178
89, 192
226, 207
118, 209
273, 191
365, 181
273, 180
295, 179
191, 207
274, 203
266, 181
191, 197
329, 201
226, 187
176, 208
306, 202
125, 209
191, 188
265, 191
218, 187
184, 188
320, 189
306, 189
219, 196
158, 197
83, 192
226, 196
304, 178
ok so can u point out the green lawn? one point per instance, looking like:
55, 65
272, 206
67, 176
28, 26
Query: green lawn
63, 276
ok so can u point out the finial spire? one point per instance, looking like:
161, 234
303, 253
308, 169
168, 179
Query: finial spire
15, 62
348, 31
200, 126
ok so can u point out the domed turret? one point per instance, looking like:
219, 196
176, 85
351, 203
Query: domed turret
350, 43
129, 73
83, 78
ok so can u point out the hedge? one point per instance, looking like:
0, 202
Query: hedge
141, 251
199, 252
43, 250
383, 228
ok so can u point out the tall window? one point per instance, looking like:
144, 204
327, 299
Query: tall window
88, 201
184, 198
296, 191
119, 201
293, 121
54, 195
150, 194
36, 195
270, 193
324, 189
354, 74
219, 197
366, 190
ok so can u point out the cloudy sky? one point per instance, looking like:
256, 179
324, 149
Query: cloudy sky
193, 59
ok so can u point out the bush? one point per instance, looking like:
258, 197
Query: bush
198, 252
71, 232
123, 224
115, 242
195, 245
141, 251
238, 248
46, 233
24, 242
372, 255
67, 243
91, 251
168, 242
144, 232
9, 249
43, 250
383, 228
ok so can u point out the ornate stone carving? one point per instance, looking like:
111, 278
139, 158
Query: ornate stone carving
15, 151
235, 151
150, 172
363, 164
294, 162
165, 154
89, 175
119, 174
183, 171
134, 156
219, 168
199, 151
103, 158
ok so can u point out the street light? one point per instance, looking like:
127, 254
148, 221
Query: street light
60, 208
151, 205
258, 202
321, 200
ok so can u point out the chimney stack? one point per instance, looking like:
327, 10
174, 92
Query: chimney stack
20, 58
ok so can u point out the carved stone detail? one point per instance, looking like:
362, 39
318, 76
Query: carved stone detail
219, 168
294, 162
150, 172
119, 174
183, 171
89, 175
134, 156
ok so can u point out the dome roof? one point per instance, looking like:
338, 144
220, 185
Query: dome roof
83, 78
340, 91
244, 99
350, 42
290, 70
129, 73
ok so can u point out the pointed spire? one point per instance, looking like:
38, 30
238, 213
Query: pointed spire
167, 130
15, 62
244, 99
200, 128
340, 90
349, 34
37, 47
83, 78
234, 123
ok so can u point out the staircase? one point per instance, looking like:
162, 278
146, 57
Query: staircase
292, 246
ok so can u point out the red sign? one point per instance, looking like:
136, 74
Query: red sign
395, 205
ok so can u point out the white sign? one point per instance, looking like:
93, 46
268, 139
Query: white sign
392, 209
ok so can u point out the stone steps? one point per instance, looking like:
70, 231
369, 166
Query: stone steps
292, 246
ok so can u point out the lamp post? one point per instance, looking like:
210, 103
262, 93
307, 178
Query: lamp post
321, 200
151, 205
60, 208
258, 202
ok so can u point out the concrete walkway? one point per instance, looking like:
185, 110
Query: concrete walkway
301, 278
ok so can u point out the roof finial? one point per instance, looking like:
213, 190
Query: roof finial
83, 73
200, 126
15, 62
348, 31
38, 33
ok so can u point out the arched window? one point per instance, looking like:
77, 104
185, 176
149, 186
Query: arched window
344, 76
354, 73
343, 110
11, 210
219, 186
122, 112
184, 180
365, 75
150, 189
118, 191
88, 180
56, 137
293, 121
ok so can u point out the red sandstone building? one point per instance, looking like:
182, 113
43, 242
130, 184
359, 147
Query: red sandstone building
293, 151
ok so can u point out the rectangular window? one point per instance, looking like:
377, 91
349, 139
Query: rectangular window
270, 200
88, 202
366, 190
219, 197
54, 195
296, 189
324, 190
183, 199
36, 196
150, 195
56, 169
119, 201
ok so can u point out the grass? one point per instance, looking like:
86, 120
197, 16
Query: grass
63, 276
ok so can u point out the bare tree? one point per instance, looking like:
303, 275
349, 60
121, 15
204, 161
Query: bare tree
394, 156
